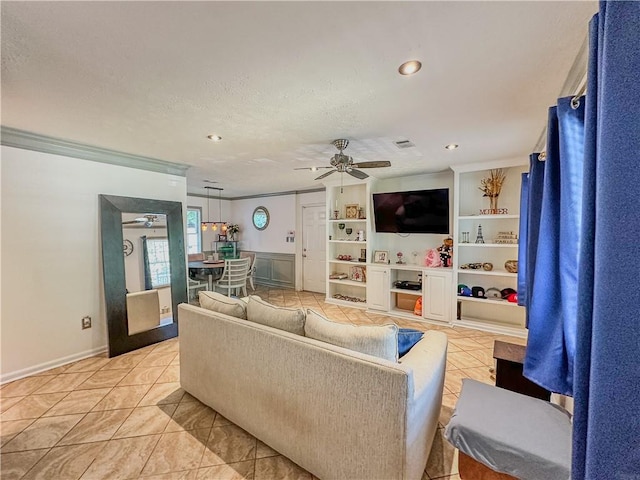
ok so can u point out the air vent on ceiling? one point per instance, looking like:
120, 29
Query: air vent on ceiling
404, 144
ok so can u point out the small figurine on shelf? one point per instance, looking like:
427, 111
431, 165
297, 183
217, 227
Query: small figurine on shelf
399, 262
446, 252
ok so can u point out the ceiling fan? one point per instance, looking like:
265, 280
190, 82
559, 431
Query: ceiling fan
146, 220
344, 163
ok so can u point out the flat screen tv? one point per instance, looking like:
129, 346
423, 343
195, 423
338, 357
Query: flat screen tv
419, 211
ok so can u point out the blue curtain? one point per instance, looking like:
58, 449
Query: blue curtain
606, 426
551, 299
535, 184
522, 239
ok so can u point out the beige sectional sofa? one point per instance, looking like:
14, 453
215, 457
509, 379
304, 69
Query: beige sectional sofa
338, 413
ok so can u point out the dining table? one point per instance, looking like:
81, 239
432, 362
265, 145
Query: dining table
213, 269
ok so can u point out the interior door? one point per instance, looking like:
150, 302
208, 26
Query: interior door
314, 255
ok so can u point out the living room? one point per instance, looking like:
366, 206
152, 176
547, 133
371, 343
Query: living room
119, 99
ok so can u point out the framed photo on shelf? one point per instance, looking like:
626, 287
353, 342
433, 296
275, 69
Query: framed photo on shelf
358, 274
351, 211
222, 238
381, 256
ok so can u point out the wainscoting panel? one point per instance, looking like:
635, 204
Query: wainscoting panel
275, 269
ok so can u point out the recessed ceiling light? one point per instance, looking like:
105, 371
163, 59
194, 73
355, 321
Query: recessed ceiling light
314, 169
451, 146
410, 67
214, 138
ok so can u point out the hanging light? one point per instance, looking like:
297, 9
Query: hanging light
214, 225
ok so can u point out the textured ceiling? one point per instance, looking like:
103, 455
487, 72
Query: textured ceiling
280, 80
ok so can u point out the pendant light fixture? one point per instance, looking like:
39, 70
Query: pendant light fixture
214, 225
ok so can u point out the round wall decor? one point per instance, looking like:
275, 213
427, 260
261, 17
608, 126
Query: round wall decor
127, 247
260, 218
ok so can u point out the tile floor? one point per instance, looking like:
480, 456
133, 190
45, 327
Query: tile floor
128, 418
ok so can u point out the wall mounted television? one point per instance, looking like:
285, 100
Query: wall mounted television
419, 211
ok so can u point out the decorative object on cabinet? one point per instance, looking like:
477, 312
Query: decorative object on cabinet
432, 258
479, 237
348, 298
341, 226
260, 218
349, 231
358, 274
487, 266
477, 292
363, 255
506, 238
222, 238
446, 252
491, 187
381, 256
338, 276
511, 266
463, 290
465, 237
399, 255
360, 236
361, 214
351, 211
232, 230
493, 293
336, 214
344, 257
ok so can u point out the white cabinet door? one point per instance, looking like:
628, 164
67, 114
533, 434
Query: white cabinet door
378, 288
436, 299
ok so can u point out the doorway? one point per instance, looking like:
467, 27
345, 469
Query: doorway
314, 231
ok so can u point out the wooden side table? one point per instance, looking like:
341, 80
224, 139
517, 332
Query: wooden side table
509, 363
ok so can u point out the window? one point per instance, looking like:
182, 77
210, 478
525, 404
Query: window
158, 273
194, 233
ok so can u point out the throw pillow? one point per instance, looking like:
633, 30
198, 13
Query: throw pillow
407, 338
379, 340
287, 319
217, 302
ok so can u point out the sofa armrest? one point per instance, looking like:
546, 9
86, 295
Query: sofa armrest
427, 359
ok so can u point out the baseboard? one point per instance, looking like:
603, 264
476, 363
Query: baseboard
42, 367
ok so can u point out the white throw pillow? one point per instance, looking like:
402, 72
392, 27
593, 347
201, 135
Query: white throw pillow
378, 340
282, 318
217, 302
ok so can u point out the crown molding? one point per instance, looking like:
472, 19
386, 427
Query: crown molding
12, 137
260, 195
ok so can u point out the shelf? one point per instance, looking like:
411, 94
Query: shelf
348, 241
346, 303
349, 262
495, 273
487, 217
487, 300
417, 293
349, 282
405, 313
349, 220
489, 245
489, 326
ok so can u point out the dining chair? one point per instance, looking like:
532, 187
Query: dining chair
195, 286
252, 267
234, 276
196, 257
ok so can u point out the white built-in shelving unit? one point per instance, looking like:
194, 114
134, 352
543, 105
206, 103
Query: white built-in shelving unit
494, 315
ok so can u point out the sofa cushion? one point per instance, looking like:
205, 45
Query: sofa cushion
287, 319
379, 340
407, 338
219, 303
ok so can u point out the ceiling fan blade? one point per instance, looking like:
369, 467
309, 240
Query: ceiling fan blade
325, 175
357, 173
372, 164
313, 169
130, 222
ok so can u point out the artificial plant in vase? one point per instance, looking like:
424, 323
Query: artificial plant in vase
232, 230
492, 186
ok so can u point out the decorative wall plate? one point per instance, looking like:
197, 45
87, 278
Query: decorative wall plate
127, 247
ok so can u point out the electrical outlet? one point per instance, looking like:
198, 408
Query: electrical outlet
86, 322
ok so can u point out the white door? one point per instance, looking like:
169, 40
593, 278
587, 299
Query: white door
314, 255
378, 288
437, 295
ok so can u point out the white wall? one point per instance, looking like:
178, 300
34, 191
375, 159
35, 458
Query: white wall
211, 212
414, 242
51, 270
